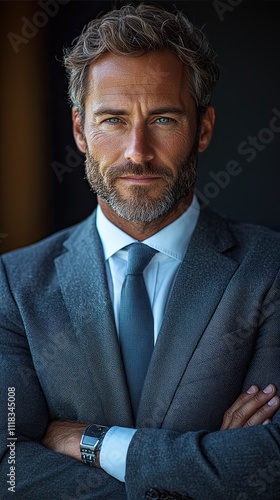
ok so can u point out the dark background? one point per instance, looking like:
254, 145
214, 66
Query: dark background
245, 35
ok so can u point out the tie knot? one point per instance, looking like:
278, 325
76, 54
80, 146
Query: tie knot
139, 256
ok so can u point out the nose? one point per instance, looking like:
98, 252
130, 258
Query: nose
139, 148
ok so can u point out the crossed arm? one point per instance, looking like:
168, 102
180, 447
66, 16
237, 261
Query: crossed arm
41, 471
254, 407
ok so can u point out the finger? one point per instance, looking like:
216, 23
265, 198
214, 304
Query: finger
265, 413
238, 403
267, 421
260, 406
247, 408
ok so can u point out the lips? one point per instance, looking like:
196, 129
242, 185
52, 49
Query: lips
139, 179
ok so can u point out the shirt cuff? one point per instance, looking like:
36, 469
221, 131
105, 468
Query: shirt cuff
114, 451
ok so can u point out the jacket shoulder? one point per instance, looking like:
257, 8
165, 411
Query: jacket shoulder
246, 236
43, 252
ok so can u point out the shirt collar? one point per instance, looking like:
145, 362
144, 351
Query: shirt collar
172, 240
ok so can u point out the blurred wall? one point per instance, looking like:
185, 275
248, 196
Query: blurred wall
25, 180
42, 173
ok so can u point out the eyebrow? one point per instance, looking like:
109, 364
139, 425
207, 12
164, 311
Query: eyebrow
157, 111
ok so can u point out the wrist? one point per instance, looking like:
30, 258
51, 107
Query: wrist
73, 444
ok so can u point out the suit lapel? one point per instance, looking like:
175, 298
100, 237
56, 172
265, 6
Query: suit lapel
82, 276
202, 279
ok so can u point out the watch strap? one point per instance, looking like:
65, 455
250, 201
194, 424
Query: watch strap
91, 443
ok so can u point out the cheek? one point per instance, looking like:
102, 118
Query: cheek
178, 144
105, 150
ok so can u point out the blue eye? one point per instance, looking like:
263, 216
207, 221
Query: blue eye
164, 119
113, 120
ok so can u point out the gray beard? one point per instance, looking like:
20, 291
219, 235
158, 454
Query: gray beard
139, 207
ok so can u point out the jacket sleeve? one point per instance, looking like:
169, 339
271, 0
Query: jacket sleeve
238, 464
27, 468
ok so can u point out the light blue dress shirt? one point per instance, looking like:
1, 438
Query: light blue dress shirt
159, 276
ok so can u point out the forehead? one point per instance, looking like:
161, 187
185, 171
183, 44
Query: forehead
154, 74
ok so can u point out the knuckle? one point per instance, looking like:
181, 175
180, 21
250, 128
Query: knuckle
258, 397
238, 414
227, 415
250, 423
243, 398
262, 410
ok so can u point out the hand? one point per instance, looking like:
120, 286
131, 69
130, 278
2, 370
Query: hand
252, 408
64, 437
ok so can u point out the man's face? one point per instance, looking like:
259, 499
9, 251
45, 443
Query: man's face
140, 134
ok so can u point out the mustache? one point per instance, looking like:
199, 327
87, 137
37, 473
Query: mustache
115, 171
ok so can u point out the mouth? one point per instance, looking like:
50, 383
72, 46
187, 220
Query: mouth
139, 179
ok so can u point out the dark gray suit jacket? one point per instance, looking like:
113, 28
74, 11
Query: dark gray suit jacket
220, 334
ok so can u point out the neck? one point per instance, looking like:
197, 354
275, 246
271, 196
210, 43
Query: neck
142, 230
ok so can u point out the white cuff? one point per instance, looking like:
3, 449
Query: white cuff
114, 451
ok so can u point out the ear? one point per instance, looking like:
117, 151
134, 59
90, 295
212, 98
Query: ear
78, 130
206, 128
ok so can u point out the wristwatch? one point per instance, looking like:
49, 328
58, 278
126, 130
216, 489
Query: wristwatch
91, 442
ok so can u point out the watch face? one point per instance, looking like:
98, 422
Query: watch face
89, 442
91, 437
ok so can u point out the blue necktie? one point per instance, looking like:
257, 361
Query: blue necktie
136, 323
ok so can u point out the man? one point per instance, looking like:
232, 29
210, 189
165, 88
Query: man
140, 83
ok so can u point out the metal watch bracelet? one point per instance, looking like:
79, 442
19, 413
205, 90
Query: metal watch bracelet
91, 443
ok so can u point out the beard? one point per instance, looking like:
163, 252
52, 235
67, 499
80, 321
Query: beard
139, 206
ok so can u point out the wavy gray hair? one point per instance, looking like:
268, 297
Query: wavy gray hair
136, 30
